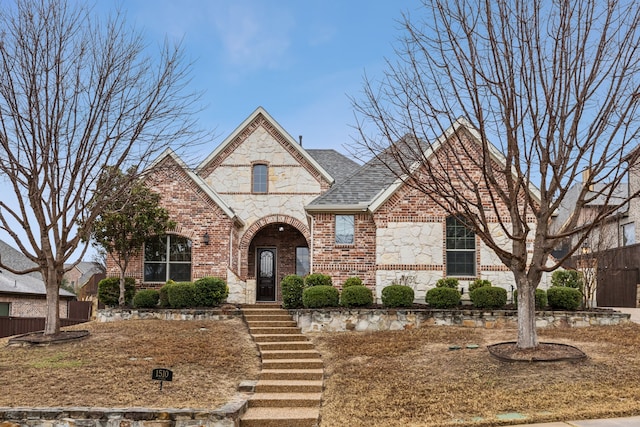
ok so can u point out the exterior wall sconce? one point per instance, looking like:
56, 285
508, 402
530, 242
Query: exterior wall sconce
205, 238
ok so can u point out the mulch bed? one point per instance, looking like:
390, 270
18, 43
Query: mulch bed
39, 338
544, 352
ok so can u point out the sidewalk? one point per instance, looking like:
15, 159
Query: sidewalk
612, 422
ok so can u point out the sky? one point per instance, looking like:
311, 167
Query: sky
301, 60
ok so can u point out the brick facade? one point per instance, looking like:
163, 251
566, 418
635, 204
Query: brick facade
401, 240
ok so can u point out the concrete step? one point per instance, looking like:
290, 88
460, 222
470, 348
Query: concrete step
270, 337
289, 354
291, 374
286, 345
284, 330
271, 324
256, 317
284, 400
289, 386
292, 364
280, 417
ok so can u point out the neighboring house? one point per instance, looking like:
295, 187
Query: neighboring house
260, 207
610, 253
24, 295
84, 278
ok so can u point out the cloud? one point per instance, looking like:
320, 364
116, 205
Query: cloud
255, 36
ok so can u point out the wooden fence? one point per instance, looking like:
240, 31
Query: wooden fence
22, 325
79, 312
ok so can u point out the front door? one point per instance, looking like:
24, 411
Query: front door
266, 275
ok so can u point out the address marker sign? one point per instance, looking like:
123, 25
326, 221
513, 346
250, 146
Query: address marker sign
161, 374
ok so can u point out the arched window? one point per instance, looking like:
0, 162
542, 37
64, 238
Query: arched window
260, 178
461, 249
167, 258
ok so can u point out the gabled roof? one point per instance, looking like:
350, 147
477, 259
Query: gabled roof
338, 165
372, 185
170, 154
357, 191
260, 111
24, 284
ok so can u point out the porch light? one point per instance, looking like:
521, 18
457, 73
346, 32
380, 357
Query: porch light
281, 228
205, 238
585, 248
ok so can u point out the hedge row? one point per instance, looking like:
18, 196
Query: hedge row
316, 291
300, 293
204, 292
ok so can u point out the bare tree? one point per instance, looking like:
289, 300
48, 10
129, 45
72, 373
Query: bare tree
550, 89
76, 95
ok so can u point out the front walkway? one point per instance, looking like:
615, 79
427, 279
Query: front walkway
289, 390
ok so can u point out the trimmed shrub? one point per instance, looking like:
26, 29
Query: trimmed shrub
564, 298
318, 279
320, 296
164, 294
443, 297
541, 298
491, 297
566, 278
397, 296
210, 291
352, 281
356, 296
478, 283
146, 298
292, 287
448, 282
182, 295
109, 290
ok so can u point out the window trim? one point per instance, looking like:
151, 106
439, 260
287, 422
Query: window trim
168, 262
254, 168
353, 230
473, 252
308, 261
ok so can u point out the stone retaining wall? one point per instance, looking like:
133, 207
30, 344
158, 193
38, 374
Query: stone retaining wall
116, 314
337, 320
225, 416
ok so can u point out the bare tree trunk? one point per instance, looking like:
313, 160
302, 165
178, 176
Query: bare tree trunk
52, 319
121, 297
527, 334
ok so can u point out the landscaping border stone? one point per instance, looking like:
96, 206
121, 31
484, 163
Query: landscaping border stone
376, 319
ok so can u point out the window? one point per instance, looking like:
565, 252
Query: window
461, 249
628, 234
5, 309
345, 225
167, 258
260, 175
302, 261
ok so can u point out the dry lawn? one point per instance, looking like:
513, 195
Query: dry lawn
411, 378
403, 378
112, 367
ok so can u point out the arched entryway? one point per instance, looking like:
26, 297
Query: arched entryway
274, 251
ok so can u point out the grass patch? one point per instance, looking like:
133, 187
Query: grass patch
112, 367
56, 361
412, 378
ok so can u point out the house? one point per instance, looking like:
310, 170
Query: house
84, 277
261, 206
24, 295
609, 256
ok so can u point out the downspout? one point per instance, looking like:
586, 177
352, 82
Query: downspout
311, 223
